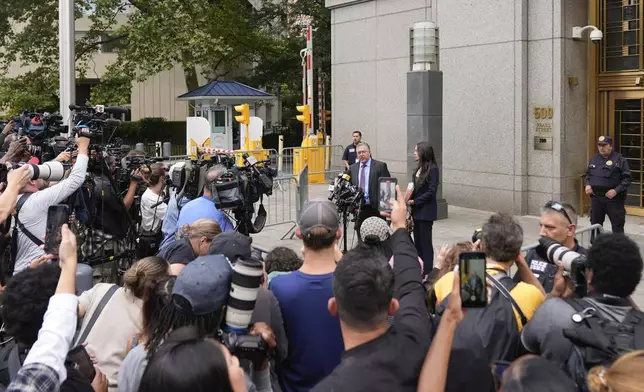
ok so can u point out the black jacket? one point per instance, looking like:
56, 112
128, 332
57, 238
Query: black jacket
542, 269
424, 195
378, 169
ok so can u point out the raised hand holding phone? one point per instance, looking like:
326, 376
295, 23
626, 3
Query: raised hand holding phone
57, 216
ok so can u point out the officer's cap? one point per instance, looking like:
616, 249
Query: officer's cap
605, 140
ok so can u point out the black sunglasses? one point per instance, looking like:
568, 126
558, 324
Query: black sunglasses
557, 206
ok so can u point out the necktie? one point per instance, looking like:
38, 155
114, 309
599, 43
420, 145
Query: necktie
362, 177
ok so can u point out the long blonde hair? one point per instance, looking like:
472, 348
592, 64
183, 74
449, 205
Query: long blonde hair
626, 374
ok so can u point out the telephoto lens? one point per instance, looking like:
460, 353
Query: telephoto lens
247, 278
50, 171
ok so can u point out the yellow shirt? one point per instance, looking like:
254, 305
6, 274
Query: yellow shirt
528, 297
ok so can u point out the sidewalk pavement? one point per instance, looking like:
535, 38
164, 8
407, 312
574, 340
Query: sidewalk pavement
459, 226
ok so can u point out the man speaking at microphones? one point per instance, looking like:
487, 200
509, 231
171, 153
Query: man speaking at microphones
365, 174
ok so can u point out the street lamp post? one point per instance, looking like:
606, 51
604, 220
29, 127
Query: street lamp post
425, 99
67, 73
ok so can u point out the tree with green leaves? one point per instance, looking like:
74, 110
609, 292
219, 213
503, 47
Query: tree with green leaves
214, 38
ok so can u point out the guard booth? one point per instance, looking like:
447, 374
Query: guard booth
213, 124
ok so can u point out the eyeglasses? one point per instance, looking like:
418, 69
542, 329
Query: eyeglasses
557, 206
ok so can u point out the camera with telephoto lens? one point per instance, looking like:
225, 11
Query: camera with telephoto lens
345, 195
247, 278
574, 263
51, 171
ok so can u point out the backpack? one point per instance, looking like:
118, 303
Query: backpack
599, 341
492, 331
9, 245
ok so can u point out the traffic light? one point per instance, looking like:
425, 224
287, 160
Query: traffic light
327, 115
244, 117
305, 117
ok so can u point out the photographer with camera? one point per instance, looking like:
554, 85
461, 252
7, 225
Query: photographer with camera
153, 211
202, 296
564, 329
32, 208
16, 179
558, 222
203, 207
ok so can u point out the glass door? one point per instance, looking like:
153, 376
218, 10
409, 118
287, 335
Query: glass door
627, 127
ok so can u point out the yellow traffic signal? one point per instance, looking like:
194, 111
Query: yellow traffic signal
327, 116
305, 117
244, 117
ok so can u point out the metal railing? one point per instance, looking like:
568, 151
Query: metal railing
585, 237
321, 160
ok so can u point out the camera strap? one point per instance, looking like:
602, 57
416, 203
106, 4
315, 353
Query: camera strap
22, 227
505, 293
97, 312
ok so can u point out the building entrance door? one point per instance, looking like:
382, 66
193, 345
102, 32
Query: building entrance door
626, 126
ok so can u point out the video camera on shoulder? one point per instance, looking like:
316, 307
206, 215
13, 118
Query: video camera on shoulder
574, 263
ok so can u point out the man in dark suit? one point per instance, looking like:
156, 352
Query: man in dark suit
365, 174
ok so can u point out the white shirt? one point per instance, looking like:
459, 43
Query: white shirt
152, 215
33, 214
56, 334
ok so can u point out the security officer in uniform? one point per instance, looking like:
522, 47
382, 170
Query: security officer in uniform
607, 180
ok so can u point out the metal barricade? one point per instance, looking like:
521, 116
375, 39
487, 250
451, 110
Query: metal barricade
260, 155
324, 162
282, 207
585, 237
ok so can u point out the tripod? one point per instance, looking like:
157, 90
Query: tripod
345, 218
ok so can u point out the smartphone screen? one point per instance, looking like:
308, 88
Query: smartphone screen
57, 216
82, 362
473, 287
387, 191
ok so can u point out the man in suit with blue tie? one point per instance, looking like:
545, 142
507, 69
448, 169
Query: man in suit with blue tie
365, 174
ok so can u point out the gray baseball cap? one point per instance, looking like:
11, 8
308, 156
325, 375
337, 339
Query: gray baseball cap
319, 213
203, 285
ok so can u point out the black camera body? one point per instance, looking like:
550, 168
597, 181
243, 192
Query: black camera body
249, 347
574, 263
346, 196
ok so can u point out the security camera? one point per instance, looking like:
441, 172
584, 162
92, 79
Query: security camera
596, 34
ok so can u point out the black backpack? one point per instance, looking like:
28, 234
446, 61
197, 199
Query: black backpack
491, 331
599, 341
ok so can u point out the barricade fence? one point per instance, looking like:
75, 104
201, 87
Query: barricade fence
585, 237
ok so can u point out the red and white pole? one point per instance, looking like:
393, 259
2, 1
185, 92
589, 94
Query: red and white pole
309, 74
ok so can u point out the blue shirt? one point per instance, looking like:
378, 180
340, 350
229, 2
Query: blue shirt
314, 338
203, 207
169, 227
367, 170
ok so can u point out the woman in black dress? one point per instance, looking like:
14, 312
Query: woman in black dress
423, 201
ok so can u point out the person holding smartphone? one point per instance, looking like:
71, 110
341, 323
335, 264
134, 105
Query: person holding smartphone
32, 213
423, 202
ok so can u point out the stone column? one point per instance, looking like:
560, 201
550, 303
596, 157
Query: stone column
425, 122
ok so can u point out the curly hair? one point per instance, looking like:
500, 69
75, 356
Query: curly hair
616, 263
282, 259
25, 300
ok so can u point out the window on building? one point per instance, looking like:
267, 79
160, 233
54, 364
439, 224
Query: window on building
622, 47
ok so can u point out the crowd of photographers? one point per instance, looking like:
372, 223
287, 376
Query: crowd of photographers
200, 311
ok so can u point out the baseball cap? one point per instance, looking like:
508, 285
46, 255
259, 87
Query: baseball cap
374, 230
319, 213
203, 285
605, 140
231, 244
